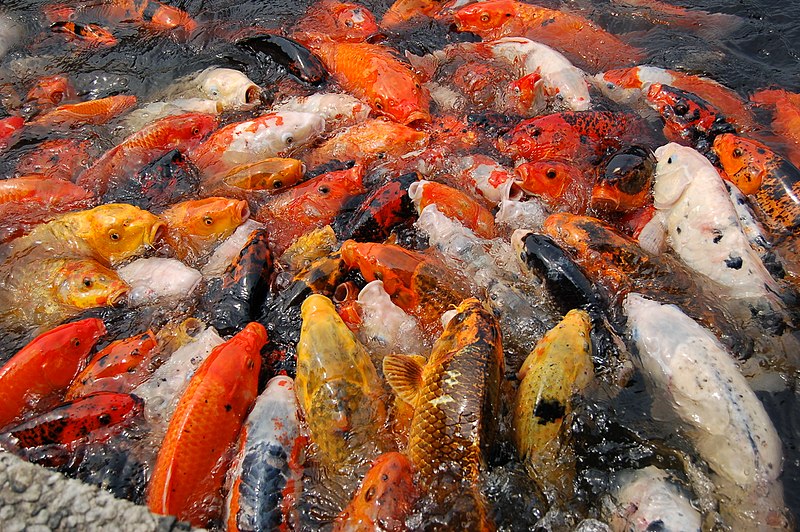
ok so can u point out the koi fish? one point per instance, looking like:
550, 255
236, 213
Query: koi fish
270, 176
230, 249
310, 205
50, 92
150, 14
158, 279
231, 89
582, 40
10, 130
264, 472
338, 109
311, 246
338, 389
384, 499
558, 368
191, 464
92, 112
45, 291
290, 54
786, 118
270, 135
717, 410
89, 34
335, 20
384, 327
454, 204
84, 420
368, 142
451, 394
195, 227
370, 72
120, 367
561, 185
182, 132
35, 378
58, 158
109, 233
630, 85
625, 182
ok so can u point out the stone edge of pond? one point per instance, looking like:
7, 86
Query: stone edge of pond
35, 499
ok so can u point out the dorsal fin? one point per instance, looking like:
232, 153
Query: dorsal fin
404, 375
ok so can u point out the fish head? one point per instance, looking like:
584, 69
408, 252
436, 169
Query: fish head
387, 492
684, 113
74, 339
230, 87
167, 17
525, 89
295, 129
540, 138
273, 174
621, 85
192, 128
673, 174
117, 231
546, 178
352, 22
563, 227
50, 91
744, 162
213, 218
400, 97
392, 264
98, 35
487, 19
627, 180
85, 284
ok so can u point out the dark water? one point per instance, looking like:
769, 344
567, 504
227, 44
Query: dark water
763, 50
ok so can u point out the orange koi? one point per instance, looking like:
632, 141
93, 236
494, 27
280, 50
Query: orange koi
143, 147
10, 130
90, 34
454, 204
194, 227
120, 367
401, 11
563, 186
58, 158
372, 73
35, 378
581, 40
190, 470
337, 21
386, 496
786, 118
93, 112
150, 14
50, 92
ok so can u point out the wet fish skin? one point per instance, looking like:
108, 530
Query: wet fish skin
454, 204
190, 469
158, 280
338, 389
45, 368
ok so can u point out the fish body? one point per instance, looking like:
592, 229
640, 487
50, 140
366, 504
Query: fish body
687, 117
647, 498
228, 250
338, 109
369, 141
337, 21
310, 205
558, 368
264, 470
626, 180
572, 136
580, 39
630, 85
386, 207
87, 419
37, 375
269, 176
338, 389
270, 135
149, 14
455, 396
120, 367
49, 92
190, 468
43, 292
384, 499
562, 185
455, 204
290, 54
370, 72
109, 233
702, 226
88, 34
158, 279
58, 158
10, 131
195, 227
727, 424
93, 112
182, 132
147, 114
786, 117
558, 80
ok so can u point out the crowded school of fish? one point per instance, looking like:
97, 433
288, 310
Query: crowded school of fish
402, 291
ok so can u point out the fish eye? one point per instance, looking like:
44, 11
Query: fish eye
75, 342
348, 23
551, 173
208, 220
669, 161
737, 152
214, 93
535, 132
277, 183
681, 108
195, 131
485, 17
57, 96
104, 419
324, 189
288, 140
113, 235
87, 282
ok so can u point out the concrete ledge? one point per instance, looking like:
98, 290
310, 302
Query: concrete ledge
35, 499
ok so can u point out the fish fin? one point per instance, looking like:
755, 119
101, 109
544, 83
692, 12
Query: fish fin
652, 237
404, 375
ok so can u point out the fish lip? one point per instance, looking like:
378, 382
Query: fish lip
157, 232
252, 95
415, 116
604, 202
243, 210
118, 298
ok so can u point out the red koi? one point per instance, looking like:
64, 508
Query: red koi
93, 112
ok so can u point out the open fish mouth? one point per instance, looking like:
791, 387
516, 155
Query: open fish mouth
242, 211
604, 201
157, 232
119, 297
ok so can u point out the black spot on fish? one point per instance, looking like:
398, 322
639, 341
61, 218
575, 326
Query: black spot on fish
734, 263
228, 408
549, 411
548, 22
717, 236
656, 526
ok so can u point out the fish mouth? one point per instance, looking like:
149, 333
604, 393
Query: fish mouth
515, 191
157, 232
252, 95
417, 116
119, 297
243, 210
604, 200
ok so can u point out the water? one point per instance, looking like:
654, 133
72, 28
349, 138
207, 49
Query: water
760, 52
